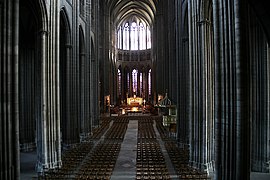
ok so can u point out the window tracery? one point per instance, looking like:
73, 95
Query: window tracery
134, 35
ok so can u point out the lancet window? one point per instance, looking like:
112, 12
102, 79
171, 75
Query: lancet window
134, 35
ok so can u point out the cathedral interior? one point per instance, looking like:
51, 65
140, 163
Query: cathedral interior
135, 89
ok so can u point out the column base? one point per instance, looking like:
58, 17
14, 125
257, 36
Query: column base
43, 168
209, 167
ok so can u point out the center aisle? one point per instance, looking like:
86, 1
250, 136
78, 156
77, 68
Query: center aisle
125, 167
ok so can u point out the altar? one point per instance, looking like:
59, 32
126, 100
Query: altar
134, 106
135, 101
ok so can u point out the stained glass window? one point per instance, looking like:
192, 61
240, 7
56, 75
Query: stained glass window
149, 82
134, 36
119, 81
127, 82
141, 83
134, 80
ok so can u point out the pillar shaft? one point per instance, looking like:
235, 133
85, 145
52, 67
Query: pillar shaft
48, 126
9, 109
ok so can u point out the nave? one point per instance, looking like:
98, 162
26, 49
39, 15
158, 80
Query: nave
127, 148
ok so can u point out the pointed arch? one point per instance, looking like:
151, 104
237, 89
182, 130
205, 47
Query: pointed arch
65, 79
64, 20
82, 84
81, 40
93, 52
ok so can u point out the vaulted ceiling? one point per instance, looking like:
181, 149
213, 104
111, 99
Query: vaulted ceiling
121, 10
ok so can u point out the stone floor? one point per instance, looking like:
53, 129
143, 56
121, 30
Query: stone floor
125, 167
259, 176
28, 163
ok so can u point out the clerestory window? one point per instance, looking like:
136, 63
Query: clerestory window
134, 35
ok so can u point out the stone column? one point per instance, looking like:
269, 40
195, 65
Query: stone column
201, 57
232, 151
48, 125
206, 61
9, 110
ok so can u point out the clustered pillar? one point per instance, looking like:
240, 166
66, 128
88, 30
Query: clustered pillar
223, 87
201, 57
9, 83
48, 125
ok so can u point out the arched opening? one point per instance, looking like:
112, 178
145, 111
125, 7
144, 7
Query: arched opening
259, 106
184, 82
67, 117
30, 97
134, 34
81, 84
94, 89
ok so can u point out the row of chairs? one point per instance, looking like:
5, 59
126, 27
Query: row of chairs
150, 159
87, 161
100, 164
98, 132
180, 159
179, 156
145, 129
71, 159
118, 129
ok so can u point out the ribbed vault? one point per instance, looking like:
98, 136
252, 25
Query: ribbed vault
121, 10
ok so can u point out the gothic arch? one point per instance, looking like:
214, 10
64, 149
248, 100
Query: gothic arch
184, 66
31, 21
82, 84
93, 51
66, 24
259, 107
65, 78
33, 27
81, 40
